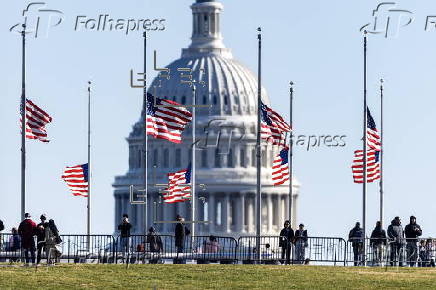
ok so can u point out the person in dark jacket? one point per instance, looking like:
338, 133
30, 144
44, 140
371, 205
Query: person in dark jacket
2, 227
396, 236
124, 229
40, 236
181, 231
285, 242
412, 232
378, 242
356, 237
155, 242
300, 239
27, 231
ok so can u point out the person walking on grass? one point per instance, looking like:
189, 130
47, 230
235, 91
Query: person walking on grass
27, 230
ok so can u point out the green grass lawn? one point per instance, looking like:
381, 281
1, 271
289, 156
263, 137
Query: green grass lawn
215, 277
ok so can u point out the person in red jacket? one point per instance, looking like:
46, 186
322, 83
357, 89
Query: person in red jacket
27, 231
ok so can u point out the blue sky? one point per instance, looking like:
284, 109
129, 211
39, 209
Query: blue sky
316, 44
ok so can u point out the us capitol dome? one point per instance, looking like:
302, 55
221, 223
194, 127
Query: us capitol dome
226, 146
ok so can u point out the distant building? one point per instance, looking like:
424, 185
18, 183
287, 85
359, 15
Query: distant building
229, 172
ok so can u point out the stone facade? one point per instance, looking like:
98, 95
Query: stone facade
228, 167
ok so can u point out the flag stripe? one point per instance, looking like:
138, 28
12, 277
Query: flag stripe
176, 192
166, 122
36, 120
76, 178
280, 167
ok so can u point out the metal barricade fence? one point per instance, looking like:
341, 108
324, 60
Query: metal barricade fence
89, 249
9, 252
208, 249
419, 252
370, 253
73, 248
272, 249
140, 248
389, 252
157, 248
321, 250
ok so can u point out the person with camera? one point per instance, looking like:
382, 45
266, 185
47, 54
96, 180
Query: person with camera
124, 229
412, 231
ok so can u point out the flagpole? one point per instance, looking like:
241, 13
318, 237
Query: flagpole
381, 153
364, 142
193, 197
145, 145
89, 162
291, 95
23, 124
258, 148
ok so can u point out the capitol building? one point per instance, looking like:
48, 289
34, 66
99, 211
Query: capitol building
225, 148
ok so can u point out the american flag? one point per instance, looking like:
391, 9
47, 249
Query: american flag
280, 167
36, 119
176, 192
273, 126
166, 122
77, 178
372, 135
372, 166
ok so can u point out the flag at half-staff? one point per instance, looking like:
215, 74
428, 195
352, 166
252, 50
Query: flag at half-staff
77, 178
273, 126
280, 168
36, 120
178, 189
166, 122
373, 136
372, 166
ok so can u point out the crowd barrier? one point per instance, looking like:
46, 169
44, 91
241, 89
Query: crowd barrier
72, 248
226, 250
157, 248
419, 252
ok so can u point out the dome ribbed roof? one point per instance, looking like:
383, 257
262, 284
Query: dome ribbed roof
230, 87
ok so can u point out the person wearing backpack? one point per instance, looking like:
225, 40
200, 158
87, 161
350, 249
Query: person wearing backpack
52, 239
155, 243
